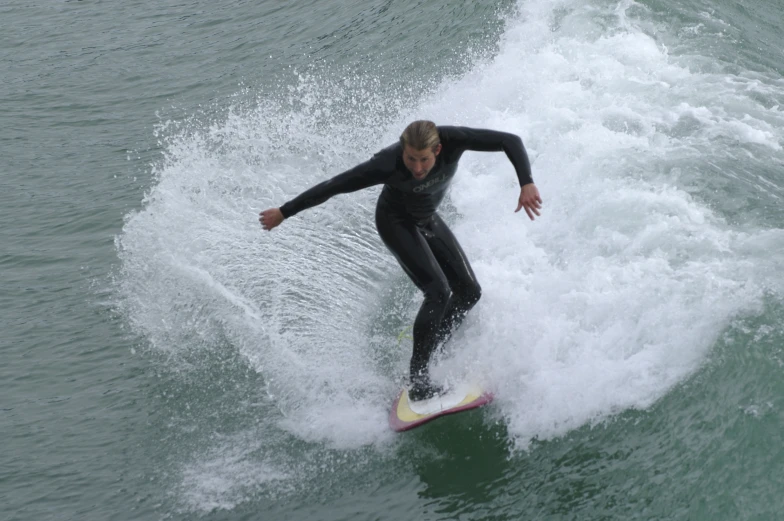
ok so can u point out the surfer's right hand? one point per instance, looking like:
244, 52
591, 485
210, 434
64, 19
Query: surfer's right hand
271, 218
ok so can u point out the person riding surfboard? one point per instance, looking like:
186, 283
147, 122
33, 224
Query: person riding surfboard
416, 172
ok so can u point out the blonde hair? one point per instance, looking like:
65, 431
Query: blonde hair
420, 135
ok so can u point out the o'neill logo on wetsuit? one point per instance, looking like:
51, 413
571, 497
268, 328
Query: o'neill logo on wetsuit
430, 183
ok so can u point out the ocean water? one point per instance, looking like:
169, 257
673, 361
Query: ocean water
164, 358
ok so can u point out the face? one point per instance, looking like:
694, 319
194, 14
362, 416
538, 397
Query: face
420, 162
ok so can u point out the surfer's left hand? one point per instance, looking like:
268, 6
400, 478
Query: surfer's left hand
530, 200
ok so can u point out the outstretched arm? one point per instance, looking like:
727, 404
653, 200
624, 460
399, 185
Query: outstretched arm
361, 176
482, 140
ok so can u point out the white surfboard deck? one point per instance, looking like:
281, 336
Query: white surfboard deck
406, 414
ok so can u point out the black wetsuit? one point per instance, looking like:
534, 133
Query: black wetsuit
407, 222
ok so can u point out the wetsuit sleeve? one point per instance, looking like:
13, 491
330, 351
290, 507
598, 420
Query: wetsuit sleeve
482, 140
364, 175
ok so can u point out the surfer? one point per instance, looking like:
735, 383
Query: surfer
415, 173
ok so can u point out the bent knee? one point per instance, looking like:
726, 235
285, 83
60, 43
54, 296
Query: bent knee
470, 295
439, 292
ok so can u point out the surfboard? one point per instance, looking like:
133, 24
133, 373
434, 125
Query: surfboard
406, 414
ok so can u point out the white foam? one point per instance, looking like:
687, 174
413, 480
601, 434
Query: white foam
619, 291
224, 476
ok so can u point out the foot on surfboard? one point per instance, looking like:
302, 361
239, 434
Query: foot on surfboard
422, 388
